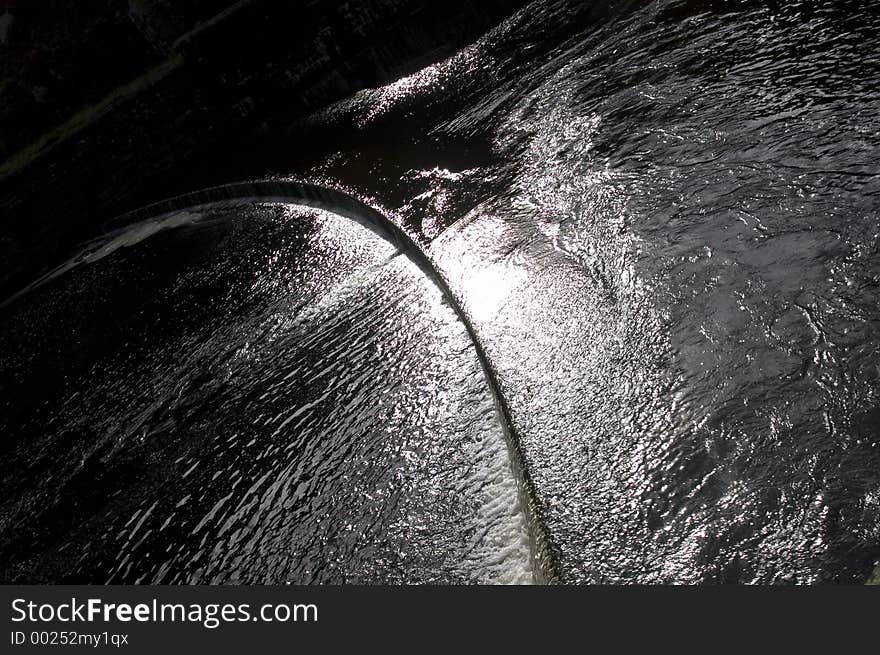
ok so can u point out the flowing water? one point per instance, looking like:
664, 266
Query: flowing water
661, 222
254, 392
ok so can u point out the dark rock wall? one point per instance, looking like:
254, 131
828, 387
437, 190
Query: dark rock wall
57, 56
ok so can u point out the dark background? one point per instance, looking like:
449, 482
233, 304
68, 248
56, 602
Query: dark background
106, 105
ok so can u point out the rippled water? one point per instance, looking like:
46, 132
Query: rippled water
255, 393
662, 221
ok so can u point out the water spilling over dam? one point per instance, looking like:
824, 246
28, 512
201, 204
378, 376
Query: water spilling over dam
617, 324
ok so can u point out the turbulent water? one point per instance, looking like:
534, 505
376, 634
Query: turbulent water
662, 221
256, 393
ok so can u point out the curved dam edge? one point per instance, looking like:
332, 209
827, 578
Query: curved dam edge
346, 205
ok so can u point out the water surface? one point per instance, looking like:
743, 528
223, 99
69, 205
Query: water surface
662, 221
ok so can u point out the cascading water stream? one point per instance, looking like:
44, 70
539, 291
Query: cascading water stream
656, 222
504, 494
